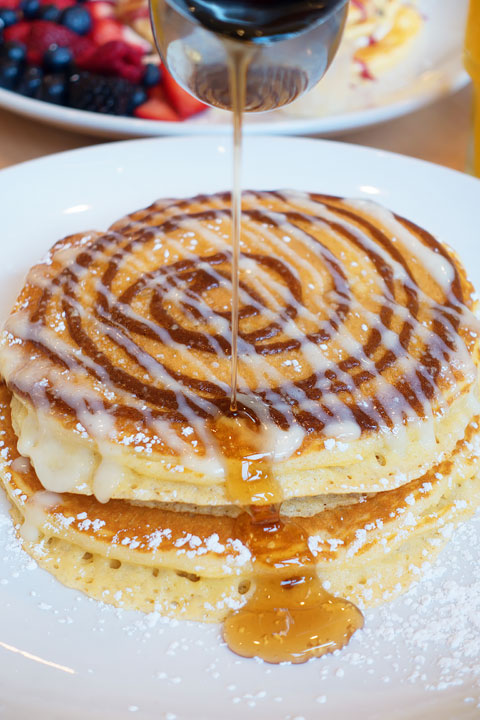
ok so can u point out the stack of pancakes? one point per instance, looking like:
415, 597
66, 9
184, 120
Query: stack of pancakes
358, 355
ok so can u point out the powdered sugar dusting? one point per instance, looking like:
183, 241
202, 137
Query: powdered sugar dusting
425, 645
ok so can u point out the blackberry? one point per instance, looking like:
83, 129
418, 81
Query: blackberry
53, 89
31, 82
100, 93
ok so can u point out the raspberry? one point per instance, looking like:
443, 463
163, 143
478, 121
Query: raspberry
116, 58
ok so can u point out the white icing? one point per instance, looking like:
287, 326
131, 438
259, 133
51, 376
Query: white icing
58, 470
439, 267
35, 515
107, 476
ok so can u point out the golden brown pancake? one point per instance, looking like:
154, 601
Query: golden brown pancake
357, 350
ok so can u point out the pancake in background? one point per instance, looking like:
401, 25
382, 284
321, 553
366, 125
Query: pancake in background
135, 14
358, 350
381, 31
380, 37
377, 37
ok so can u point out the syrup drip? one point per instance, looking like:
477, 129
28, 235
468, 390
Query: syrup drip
239, 60
290, 616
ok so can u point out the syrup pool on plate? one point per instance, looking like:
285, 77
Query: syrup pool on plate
290, 616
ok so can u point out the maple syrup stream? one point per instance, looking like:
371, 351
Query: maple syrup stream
289, 616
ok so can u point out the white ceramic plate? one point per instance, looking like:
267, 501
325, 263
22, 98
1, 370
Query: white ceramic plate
65, 657
432, 69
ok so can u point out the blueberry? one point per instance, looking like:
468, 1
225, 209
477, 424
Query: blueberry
138, 97
77, 19
57, 59
30, 9
50, 13
8, 17
9, 74
30, 82
53, 89
13, 50
152, 75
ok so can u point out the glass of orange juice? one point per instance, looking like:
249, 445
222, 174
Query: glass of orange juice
472, 64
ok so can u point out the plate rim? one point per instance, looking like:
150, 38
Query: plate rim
266, 138
100, 125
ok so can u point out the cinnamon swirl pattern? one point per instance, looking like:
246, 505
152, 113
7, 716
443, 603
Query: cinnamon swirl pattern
357, 340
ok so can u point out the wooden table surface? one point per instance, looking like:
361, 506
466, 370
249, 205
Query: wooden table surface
438, 133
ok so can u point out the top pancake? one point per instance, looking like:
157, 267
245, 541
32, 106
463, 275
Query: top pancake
357, 341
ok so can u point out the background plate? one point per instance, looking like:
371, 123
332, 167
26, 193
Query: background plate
431, 70
65, 657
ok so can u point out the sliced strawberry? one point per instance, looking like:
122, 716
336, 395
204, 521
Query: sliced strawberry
184, 103
18, 32
156, 93
43, 34
115, 58
105, 30
155, 109
100, 9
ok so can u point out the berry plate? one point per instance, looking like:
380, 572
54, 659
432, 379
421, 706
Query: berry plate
432, 70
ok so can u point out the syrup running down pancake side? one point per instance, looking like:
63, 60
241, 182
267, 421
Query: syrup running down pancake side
290, 616
355, 328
